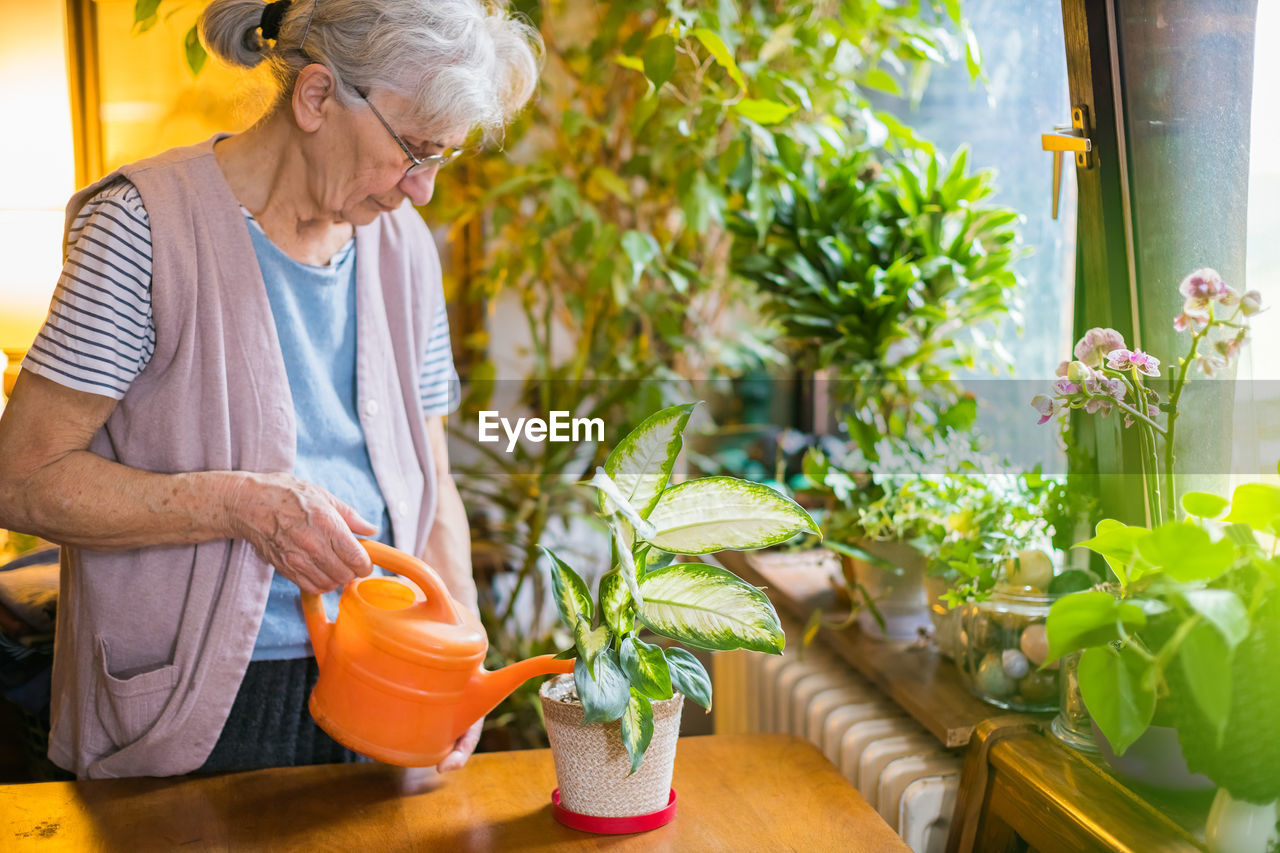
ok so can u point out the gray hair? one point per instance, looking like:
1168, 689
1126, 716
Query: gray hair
465, 64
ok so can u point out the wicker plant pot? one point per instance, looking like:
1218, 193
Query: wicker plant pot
592, 764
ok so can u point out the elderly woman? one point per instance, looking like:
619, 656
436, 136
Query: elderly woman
244, 368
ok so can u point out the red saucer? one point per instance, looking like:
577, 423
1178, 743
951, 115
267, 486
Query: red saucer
613, 825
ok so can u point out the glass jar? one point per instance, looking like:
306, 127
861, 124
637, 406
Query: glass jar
1002, 644
1073, 725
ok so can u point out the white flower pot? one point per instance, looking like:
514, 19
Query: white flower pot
1235, 826
592, 765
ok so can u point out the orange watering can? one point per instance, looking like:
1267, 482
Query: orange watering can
401, 668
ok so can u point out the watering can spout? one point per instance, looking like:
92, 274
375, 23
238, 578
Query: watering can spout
490, 688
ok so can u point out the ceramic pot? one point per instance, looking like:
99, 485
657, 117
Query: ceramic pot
900, 597
592, 765
1235, 826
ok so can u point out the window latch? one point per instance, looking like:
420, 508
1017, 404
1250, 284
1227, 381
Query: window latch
1074, 138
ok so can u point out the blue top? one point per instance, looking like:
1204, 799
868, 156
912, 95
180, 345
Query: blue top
314, 309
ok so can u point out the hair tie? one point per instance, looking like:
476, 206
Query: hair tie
271, 18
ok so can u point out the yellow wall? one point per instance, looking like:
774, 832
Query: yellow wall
150, 101
38, 160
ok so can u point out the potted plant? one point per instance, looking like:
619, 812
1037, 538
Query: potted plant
929, 527
995, 543
1180, 635
871, 514
1189, 636
887, 274
614, 723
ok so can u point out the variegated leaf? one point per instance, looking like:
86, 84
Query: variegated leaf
605, 695
620, 504
689, 676
637, 727
645, 665
614, 604
656, 559
573, 599
709, 608
641, 463
718, 513
590, 642
627, 566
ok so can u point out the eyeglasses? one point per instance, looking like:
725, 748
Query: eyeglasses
418, 164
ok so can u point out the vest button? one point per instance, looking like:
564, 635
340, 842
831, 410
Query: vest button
403, 507
371, 407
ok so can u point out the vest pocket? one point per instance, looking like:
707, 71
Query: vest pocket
130, 702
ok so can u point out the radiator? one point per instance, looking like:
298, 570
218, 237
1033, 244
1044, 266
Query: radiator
897, 766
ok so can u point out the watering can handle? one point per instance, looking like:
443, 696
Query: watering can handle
438, 607
439, 604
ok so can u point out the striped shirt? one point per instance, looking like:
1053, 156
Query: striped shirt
99, 334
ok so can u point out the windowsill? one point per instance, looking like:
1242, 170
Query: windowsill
1074, 795
921, 681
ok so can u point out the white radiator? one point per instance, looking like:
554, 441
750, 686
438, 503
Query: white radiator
899, 768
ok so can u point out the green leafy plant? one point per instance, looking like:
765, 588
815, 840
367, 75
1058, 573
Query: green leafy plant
603, 222
890, 273
1192, 624
967, 512
618, 674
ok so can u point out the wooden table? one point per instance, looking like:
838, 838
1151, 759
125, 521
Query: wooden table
735, 793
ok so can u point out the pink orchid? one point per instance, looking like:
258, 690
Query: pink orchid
1202, 288
1098, 405
1123, 359
1045, 406
1186, 321
1098, 384
1065, 387
1211, 362
1203, 284
1096, 343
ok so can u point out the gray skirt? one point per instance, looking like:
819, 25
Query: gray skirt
269, 724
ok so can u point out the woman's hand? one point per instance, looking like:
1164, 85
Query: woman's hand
299, 528
462, 748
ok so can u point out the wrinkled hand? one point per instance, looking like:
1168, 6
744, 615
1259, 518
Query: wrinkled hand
299, 528
462, 748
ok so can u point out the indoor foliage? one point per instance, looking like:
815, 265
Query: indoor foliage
1191, 627
604, 220
891, 273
